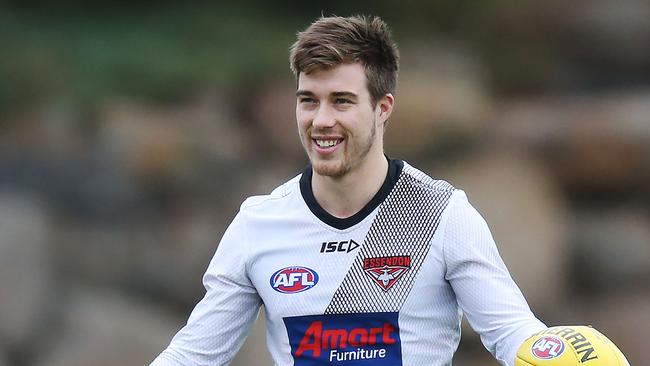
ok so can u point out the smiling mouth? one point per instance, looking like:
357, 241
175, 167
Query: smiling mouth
325, 144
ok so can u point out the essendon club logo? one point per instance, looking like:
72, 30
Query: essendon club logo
361, 339
385, 271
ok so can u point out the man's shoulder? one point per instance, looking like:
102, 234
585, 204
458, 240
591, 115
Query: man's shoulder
283, 191
425, 181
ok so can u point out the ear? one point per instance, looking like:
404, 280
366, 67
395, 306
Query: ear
385, 107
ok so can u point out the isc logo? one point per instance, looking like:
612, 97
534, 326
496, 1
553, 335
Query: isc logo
291, 280
338, 246
547, 347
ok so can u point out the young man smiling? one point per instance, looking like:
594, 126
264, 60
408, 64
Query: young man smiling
361, 259
342, 131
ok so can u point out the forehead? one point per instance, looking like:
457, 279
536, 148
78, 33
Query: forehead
342, 78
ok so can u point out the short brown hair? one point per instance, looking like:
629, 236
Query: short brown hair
331, 41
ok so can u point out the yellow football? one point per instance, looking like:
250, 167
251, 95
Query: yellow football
569, 346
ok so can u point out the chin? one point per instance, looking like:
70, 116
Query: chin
334, 169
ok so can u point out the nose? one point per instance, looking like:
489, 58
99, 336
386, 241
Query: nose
324, 117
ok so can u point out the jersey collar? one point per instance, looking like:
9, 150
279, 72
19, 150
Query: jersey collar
394, 171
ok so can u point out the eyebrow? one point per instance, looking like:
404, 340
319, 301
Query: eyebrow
307, 93
304, 93
345, 94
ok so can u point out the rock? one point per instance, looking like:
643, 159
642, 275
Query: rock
596, 145
26, 278
543, 47
105, 329
441, 99
612, 34
156, 142
611, 250
274, 121
163, 257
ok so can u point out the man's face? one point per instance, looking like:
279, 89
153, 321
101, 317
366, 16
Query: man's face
338, 126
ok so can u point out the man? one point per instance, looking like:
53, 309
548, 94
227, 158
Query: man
360, 260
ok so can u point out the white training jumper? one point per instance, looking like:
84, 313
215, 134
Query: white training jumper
387, 286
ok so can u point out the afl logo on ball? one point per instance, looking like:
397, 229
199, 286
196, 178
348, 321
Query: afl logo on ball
547, 347
291, 280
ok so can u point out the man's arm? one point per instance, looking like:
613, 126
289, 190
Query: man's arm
219, 323
494, 305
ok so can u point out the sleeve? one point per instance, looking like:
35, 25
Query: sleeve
494, 305
219, 324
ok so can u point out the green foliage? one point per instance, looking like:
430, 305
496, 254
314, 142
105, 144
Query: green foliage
157, 53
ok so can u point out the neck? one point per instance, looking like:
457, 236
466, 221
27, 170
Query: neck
344, 196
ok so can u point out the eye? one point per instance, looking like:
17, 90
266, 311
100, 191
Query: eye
306, 100
342, 101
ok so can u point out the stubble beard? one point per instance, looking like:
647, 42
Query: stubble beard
349, 159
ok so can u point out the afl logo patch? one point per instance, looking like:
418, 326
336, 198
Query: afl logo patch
291, 280
547, 347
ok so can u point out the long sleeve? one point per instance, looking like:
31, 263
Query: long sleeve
485, 291
219, 324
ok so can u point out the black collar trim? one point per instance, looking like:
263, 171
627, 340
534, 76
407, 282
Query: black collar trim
394, 171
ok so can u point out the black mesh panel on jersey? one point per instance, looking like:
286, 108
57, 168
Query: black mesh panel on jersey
404, 226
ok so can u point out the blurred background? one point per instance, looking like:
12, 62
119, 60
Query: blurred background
131, 132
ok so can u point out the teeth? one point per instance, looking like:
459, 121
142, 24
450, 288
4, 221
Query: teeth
326, 143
